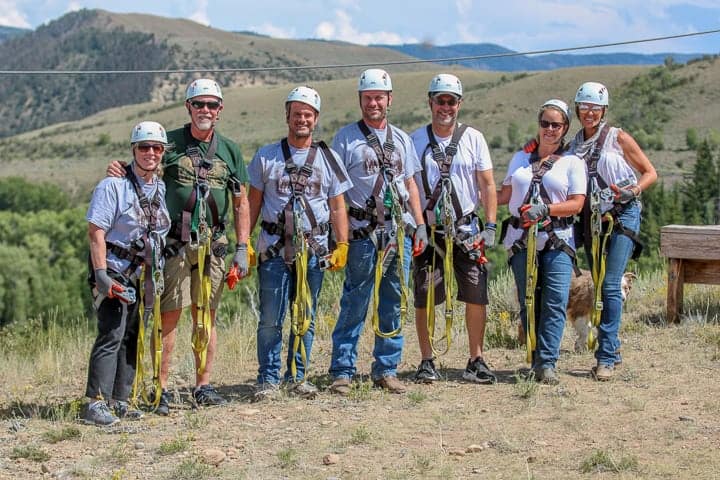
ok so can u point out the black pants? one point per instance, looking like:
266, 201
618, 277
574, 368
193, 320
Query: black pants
114, 355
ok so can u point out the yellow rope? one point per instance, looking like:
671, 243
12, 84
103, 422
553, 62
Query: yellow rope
530, 285
203, 325
139, 388
301, 310
599, 257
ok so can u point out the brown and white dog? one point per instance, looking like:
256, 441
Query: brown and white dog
580, 305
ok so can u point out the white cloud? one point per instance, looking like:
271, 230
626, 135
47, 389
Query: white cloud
273, 30
200, 15
73, 6
12, 16
342, 28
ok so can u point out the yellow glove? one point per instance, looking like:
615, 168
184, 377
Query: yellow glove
338, 259
252, 259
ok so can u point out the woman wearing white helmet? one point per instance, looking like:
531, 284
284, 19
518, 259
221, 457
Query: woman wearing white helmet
127, 224
612, 157
544, 186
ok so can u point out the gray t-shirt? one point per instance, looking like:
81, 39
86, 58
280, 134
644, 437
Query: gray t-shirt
363, 165
115, 209
267, 174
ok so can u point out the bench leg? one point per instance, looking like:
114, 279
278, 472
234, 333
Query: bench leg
676, 280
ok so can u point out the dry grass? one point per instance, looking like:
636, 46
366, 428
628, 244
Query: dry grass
657, 419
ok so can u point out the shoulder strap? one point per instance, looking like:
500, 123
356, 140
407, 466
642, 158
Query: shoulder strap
384, 153
332, 161
444, 161
594, 157
148, 207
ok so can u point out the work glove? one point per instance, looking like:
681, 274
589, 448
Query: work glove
338, 259
420, 240
488, 235
533, 213
109, 287
241, 260
625, 194
116, 169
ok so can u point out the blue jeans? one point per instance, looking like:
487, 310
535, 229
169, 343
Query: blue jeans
555, 271
620, 248
357, 291
277, 291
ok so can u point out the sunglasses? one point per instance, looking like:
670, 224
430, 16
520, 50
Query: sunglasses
584, 108
198, 105
450, 103
146, 147
551, 125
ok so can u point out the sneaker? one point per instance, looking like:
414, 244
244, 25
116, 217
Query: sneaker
206, 395
98, 413
391, 384
266, 391
341, 386
304, 389
603, 373
477, 371
546, 375
123, 410
426, 372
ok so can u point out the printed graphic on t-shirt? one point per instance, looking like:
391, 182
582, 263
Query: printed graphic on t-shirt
372, 163
312, 189
217, 176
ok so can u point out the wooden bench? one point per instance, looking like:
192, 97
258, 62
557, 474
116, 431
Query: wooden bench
693, 253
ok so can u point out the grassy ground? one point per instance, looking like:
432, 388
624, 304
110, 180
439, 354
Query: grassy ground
657, 419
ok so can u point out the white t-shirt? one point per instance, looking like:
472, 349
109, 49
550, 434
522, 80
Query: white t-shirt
267, 174
566, 177
612, 166
363, 165
472, 156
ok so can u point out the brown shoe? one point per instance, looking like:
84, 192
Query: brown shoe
603, 373
341, 386
391, 384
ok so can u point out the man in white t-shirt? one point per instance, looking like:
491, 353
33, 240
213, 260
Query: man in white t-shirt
295, 180
456, 177
381, 161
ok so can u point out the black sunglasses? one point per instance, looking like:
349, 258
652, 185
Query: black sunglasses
198, 105
450, 103
146, 147
554, 125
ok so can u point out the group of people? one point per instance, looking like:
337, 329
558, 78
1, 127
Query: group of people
373, 202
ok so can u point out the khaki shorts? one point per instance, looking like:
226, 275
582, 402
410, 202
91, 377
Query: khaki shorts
471, 278
182, 280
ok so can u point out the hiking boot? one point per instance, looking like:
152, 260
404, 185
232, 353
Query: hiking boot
341, 386
207, 396
265, 391
603, 373
546, 375
123, 410
391, 384
163, 407
98, 413
304, 390
477, 371
426, 372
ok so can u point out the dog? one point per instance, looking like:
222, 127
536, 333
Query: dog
580, 305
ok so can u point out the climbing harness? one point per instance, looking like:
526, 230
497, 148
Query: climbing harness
443, 210
147, 251
601, 227
386, 228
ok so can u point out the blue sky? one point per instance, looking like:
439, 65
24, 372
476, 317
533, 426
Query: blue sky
515, 24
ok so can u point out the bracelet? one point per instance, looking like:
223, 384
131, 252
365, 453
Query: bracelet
490, 225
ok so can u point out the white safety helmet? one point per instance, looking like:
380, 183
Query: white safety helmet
593, 92
148, 132
445, 83
305, 95
203, 86
556, 104
375, 79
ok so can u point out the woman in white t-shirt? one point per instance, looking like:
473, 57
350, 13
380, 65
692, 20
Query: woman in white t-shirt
612, 157
561, 183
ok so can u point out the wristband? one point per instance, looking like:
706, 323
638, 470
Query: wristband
490, 225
